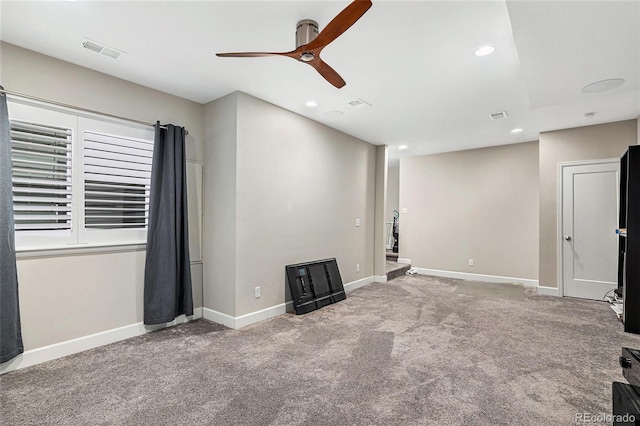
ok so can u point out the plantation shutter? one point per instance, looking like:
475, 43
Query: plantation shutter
41, 176
117, 178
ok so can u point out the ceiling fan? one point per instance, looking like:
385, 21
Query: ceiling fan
310, 43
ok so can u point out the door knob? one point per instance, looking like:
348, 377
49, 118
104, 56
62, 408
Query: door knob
568, 238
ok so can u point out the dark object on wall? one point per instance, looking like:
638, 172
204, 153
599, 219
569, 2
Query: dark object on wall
629, 246
314, 285
622, 223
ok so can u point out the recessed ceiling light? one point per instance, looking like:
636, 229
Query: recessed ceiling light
484, 50
311, 104
403, 147
603, 85
518, 130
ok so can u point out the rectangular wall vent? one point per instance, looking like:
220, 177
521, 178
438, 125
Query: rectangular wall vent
103, 50
498, 115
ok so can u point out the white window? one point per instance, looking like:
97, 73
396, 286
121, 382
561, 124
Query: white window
78, 180
41, 166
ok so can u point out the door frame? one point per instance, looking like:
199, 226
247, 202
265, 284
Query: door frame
559, 233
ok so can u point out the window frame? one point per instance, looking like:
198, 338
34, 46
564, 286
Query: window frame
79, 236
108, 236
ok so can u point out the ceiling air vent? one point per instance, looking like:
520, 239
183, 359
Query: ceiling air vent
498, 115
92, 46
103, 50
112, 53
359, 103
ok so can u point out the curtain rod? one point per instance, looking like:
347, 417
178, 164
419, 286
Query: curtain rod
60, 104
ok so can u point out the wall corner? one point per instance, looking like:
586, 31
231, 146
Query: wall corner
379, 250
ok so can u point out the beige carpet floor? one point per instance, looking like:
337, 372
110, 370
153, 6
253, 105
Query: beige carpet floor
416, 351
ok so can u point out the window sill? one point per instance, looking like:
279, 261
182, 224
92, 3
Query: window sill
77, 249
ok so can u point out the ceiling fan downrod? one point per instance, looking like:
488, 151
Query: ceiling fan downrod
306, 31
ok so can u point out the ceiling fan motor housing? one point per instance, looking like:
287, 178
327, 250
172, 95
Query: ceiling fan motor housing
306, 31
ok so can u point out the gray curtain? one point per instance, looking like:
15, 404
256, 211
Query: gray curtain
10, 332
167, 277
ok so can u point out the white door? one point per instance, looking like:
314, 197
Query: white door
589, 221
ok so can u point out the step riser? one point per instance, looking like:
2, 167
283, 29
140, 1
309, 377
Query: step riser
397, 273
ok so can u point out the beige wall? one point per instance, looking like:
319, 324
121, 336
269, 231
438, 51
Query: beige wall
300, 186
479, 204
66, 297
380, 255
219, 236
393, 192
583, 143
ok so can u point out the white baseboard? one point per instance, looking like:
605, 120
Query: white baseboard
359, 283
261, 315
219, 317
403, 260
477, 277
379, 278
69, 347
246, 319
548, 291
273, 311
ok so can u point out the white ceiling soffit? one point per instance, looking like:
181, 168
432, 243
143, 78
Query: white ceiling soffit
411, 60
567, 45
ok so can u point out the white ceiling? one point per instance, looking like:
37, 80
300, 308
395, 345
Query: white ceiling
411, 60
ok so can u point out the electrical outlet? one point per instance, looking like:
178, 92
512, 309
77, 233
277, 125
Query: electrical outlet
470, 262
257, 292
405, 210
357, 267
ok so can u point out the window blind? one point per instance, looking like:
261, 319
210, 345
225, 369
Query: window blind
41, 176
117, 178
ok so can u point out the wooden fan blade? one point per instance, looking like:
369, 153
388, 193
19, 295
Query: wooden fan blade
250, 54
327, 72
340, 24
